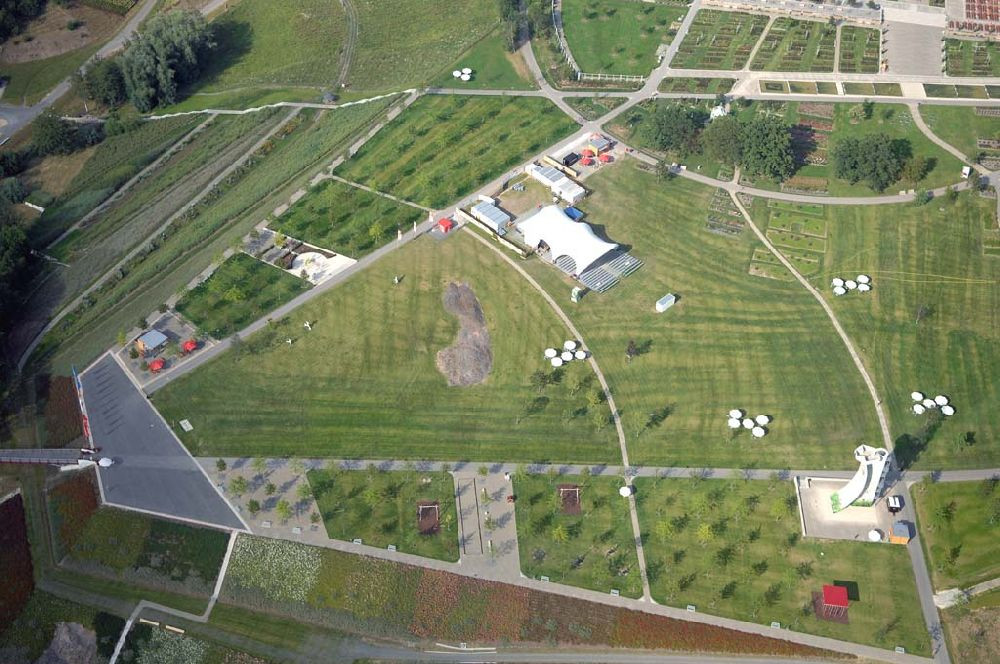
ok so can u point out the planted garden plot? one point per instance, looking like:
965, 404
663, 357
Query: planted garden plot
972, 58
795, 45
859, 50
800, 234
697, 85
719, 40
723, 217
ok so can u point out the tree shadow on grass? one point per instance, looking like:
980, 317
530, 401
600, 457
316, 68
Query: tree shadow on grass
233, 39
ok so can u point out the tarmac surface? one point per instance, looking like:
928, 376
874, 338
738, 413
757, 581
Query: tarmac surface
152, 470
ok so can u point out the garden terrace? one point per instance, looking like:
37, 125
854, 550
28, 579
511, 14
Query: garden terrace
723, 215
798, 231
697, 85
933, 325
796, 45
378, 597
948, 90
444, 146
221, 219
719, 40
383, 508
406, 43
734, 549
880, 89
592, 108
964, 57
618, 36
714, 355
346, 219
238, 292
339, 392
859, 50
958, 527
576, 530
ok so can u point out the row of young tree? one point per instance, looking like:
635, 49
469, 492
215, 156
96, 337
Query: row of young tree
167, 55
761, 145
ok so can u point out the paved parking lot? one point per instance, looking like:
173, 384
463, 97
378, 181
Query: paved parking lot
152, 470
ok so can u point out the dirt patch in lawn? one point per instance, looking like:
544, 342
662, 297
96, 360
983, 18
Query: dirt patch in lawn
51, 36
569, 497
428, 517
72, 644
469, 360
975, 635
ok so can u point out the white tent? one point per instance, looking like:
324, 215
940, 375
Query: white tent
947, 411
762, 419
736, 412
550, 353
556, 361
929, 403
839, 290
918, 409
850, 284
567, 356
864, 279
734, 423
837, 281
864, 288
569, 344
758, 432
564, 237
748, 423
580, 355
941, 400
917, 396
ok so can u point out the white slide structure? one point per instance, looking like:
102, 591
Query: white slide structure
864, 486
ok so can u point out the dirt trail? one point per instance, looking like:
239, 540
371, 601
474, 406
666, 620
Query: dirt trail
469, 360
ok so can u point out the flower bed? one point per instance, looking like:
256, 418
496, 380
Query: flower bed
818, 125
71, 504
62, 413
15, 561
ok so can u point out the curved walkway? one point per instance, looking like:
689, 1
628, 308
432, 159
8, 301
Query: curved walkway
948, 147
636, 530
347, 54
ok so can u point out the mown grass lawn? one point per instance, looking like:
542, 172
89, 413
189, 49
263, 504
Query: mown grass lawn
959, 523
29, 81
363, 383
240, 291
618, 36
960, 126
276, 43
734, 549
444, 146
381, 508
928, 259
340, 217
408, 42
591, 547
493, 67
731, 341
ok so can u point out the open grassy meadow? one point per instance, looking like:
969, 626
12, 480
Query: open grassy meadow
734, 549
719, 40
276, 44
731, 341
245, 198
618, 36
962, 127
363, 383
240, 291
381, 508
340, 217
576, 530
959, 525
796, 45
408, 42
31, 80
443, 147
493, 67
931, 323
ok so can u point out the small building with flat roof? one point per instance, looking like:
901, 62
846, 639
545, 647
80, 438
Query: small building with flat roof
492, 216
150, 342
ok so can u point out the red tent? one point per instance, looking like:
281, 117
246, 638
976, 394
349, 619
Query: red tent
446, 225
834, 601
605, 158
189, 346
587, 161
157, 364
587, 153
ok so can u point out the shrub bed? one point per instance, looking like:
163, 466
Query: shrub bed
15, 561
71, 504
62, 413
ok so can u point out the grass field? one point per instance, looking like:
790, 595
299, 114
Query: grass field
796, 45
240, 291
243, 98
443, 146
380, 508
276, 43
959, 523
134, 548
859, 49
960, 126
406, 43
927, 259
30, 81
364, 384
493, 67
719, 40
340, 217
618, 36
732, 340
972, 58
734, 549
243, 200
590, 546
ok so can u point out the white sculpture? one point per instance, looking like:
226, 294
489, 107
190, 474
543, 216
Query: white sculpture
866, 485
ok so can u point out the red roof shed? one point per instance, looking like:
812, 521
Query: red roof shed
587, 161
605, 158
157, 364
835, 596
189, 346
445, 225
588, 153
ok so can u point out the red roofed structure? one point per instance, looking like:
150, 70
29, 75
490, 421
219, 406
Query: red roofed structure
587, 161
588, 153
445, 225
605, 158
834, 601
189, 346
157, 365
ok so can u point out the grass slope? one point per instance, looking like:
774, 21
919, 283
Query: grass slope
493, 67
928, 256
618, 36
364, 384
732, 341
704, 535
444, 146
960, 126
239, 292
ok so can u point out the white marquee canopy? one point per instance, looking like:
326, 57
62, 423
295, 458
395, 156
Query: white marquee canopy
564, 237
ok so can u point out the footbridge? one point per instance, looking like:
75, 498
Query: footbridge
50, 457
